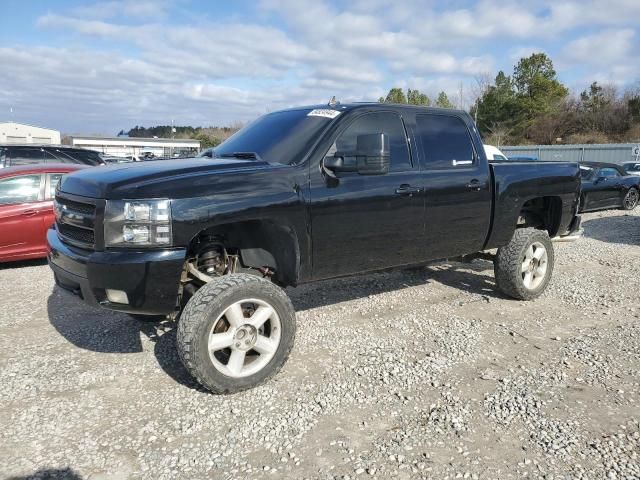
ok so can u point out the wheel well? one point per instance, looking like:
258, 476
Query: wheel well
543, 213
259, 243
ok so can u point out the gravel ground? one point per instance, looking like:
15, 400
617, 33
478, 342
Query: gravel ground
428, 373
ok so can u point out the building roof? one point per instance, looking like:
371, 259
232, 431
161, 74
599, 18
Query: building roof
134, 139
27, 125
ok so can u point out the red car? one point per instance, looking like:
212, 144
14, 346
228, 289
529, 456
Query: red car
26, 208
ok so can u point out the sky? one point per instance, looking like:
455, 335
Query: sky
99, 67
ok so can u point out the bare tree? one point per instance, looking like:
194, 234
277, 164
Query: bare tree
498, 133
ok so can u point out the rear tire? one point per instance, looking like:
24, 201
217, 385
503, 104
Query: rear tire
631, 199
524, 266
236, 332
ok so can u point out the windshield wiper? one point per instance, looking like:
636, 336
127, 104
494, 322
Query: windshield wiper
240, 155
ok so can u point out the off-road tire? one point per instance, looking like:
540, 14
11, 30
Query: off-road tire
207, 305
507, 265
628, 204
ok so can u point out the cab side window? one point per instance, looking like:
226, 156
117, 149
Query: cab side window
609, 172
445, 141
388, 123
20, 189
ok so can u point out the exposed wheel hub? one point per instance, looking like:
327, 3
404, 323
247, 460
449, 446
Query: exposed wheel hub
245, 337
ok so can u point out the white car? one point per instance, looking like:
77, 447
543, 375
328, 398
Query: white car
494, 153
632, 168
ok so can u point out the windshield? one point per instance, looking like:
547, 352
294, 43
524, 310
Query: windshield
279, 137
632, 167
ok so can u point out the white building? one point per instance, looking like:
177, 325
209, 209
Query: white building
12, 132
136, 146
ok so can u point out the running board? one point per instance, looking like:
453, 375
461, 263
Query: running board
569, 238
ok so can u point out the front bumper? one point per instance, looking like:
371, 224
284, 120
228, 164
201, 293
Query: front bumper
150, 278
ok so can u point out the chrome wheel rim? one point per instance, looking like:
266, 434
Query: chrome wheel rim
631, 199
244, 338
534, 266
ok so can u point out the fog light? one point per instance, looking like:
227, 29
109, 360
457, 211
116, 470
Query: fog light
117, 296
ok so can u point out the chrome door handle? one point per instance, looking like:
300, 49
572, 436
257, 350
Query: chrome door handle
474, 185
407, 190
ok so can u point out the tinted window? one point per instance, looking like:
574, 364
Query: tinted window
25, 156
382, 122
25, 188
84, 157
629, 167
443, 139
54, 179
279, 137
3, 156
48, 158
500, 157
586, 172
608, 172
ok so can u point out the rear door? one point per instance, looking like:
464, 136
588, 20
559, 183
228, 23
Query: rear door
457, 183
21, 218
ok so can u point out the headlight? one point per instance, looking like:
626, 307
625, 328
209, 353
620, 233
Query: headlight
133, 223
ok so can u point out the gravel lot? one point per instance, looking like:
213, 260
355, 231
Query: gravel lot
428, 373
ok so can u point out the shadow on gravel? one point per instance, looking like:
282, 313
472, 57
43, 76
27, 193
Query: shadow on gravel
23, 264
50, 474
104, 331
463, 276
470, 277
624, 229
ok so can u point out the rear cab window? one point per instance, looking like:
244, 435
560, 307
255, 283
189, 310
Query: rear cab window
445, 142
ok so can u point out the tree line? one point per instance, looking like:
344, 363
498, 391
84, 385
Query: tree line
532, 106
208, 136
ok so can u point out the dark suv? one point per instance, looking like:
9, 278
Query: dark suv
12, 155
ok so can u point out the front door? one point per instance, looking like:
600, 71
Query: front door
366, 222
21, 219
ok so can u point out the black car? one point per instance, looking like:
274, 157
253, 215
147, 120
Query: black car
13, 155
299, 196
607, 186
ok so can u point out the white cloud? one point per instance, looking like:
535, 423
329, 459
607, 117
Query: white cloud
143, 65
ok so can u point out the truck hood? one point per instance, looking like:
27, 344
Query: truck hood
155, 179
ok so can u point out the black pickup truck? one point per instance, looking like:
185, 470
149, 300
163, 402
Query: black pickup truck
297, 196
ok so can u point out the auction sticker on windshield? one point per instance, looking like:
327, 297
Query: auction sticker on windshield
323, 112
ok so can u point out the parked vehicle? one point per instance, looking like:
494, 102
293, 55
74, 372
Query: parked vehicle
297, 196
632, 168
606, 186
26, 209
494, 153
15, 155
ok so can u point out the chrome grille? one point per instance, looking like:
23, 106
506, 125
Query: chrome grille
75, 221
